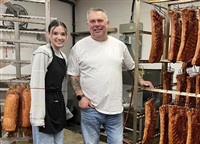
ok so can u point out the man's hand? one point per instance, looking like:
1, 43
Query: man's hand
145, 83
85, 103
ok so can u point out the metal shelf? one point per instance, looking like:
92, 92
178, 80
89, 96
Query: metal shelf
6, 62
28, 19
170, 1
27, 31
34, 1
14, 61
166, 7
23, 41
172, 92
18, 63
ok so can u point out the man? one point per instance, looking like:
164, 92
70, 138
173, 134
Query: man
95, 69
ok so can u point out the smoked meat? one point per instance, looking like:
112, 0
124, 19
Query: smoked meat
157, 40
188, 35
181, 86
167, 80
11, 110
193, 132
163, 110
196, 58
191, 85
175, 39
150, 121
177, 125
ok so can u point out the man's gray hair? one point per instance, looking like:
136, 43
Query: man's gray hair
96, 10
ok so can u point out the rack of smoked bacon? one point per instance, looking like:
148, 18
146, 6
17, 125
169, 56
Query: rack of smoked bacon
179, 118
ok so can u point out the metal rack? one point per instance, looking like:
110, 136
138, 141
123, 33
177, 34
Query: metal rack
167, 4
17, 62
29, 19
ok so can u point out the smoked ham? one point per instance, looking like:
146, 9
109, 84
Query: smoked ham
175, 38
157, 41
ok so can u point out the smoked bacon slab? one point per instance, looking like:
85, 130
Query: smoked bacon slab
157, 37
175, 39
188, 35
150, 121
164, 120
196, 58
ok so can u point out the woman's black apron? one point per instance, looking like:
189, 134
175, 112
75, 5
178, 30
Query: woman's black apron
55, 118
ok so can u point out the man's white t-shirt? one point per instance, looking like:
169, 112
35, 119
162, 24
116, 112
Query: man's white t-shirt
99, 65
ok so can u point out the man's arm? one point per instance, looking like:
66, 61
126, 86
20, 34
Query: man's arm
84, 102
75, 83
141, 81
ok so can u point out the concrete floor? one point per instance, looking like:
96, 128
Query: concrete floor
74, 138
70, 137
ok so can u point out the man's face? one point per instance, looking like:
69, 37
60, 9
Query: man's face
98, 25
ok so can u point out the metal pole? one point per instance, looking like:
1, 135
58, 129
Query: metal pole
136, 73
47, 14
17, 50
166, 38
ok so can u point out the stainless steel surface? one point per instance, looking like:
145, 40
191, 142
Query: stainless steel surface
129, 28
129, 38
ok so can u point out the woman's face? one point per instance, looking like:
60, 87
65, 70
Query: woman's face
57, 36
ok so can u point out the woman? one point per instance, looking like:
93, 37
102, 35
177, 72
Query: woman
49, 65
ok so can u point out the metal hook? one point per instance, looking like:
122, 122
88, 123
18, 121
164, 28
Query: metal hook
170, 69
159, 9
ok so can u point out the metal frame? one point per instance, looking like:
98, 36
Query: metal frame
167, 4
18, 62
30, 19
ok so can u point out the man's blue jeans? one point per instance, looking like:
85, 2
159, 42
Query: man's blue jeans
91, 121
